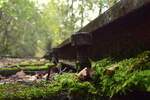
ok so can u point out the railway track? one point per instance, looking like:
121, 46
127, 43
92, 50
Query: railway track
122, 30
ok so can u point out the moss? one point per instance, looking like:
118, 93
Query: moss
63, 86
132, 74
27, 69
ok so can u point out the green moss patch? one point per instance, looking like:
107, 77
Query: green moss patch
62, 86
27, 69
132, 74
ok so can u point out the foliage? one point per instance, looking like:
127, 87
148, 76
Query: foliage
20, 22
64, 17
26, 29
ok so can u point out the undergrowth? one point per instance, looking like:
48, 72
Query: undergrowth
131, 74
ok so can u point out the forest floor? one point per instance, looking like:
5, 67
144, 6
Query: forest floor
23, 70
25, 79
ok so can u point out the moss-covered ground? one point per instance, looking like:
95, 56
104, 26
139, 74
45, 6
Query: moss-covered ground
27, 67
132, 74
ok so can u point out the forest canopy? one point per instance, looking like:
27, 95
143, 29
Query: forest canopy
32, 27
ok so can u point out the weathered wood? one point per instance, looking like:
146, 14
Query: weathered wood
119, 10
81, 38
121, 30
82, 41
